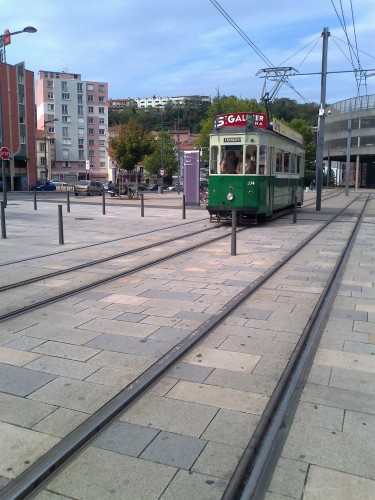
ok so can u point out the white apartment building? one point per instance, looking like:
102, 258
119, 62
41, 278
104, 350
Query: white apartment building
73, 115
154, 102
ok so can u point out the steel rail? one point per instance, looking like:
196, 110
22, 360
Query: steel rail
42, 471
254, 471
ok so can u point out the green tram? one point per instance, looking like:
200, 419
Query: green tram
255, 169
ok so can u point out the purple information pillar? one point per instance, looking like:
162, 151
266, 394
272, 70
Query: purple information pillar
191, 177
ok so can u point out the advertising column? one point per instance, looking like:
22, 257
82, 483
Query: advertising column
191, 177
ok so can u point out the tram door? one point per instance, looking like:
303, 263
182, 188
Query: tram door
271, 177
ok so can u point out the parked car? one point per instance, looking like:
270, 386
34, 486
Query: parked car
154, 187
59, 183
142, 186
89, 188
174, 187
113, 189
44, 186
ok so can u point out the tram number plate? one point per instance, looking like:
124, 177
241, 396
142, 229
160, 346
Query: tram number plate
251, 183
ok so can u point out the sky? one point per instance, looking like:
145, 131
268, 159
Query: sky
170, 48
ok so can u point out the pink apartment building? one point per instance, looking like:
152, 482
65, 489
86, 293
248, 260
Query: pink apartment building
73, 115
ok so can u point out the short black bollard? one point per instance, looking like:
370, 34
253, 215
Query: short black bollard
233, 249
295, 210
103, 203
3, 228
183, 207
68, 201
35, 207
61, 227
142, 206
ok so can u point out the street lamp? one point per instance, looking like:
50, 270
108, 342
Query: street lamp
5, 39
45, 144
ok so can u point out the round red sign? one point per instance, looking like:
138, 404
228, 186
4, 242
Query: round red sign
4, 153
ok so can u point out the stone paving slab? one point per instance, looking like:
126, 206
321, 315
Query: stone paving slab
212, 401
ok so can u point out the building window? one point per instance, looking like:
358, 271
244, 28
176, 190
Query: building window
81, 155
101, 143
64, 109
101, 121
101, 131
65, 164
66, 119
91, 131
91, 109
90, 98
67, 142
91, 119
50, 95
79, 98
42, 161
91, 142
65, 131
102, 164
51, 130
65, 154
22, 119
50, 107
49, 83
80, 110
90, 86
102, 153
64, 86
101, 110
91, 153
23, 139
21, 99
41, 147
80, 87
65, 96
101, 98
101, 88
81, 132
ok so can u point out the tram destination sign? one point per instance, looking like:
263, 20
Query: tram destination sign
241, 120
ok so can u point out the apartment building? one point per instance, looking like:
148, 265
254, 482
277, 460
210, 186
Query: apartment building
17, 125
155, 102
73, 115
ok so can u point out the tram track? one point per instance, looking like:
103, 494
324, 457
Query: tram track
41, 470
14, 311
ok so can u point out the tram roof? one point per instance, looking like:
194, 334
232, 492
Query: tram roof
254, 130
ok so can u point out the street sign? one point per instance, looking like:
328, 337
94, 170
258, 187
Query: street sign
161, 172
87, 165
4, 153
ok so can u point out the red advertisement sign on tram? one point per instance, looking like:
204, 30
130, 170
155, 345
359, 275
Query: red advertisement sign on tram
241, 120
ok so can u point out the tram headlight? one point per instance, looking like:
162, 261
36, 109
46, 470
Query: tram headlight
230, 196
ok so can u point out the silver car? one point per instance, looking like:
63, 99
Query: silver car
89, 188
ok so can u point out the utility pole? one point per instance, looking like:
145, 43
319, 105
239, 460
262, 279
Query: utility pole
321, 122
348, 147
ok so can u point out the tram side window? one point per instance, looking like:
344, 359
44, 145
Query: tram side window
262, 160
292, 164
279, 161
214, 154
298, 164
286, 162
251, 160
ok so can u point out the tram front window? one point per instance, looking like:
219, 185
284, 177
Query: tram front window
251, 160
230, 163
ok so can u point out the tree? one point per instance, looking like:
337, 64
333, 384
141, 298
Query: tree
164, 156
131, 145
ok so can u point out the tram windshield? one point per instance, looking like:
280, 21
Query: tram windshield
242, 160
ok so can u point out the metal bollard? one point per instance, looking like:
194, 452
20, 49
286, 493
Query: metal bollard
103, 203
68, 201
35, 207
142, 206
61, 227
3, 228
295, 210
233, 248
183, 207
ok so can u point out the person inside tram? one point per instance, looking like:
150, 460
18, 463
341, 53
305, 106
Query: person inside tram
250, 167
229, 164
